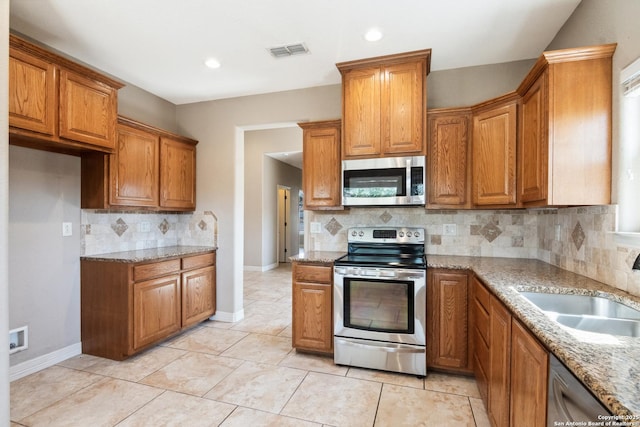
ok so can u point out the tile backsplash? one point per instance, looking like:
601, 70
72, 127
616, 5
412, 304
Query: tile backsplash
575, 239
106, 231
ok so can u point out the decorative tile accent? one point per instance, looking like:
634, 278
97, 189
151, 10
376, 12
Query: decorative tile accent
578, 235
119, 227
474, 230
87, 229
164, 226
202, 225
490, 232
333, 226
436, 239
386, 217
517, 241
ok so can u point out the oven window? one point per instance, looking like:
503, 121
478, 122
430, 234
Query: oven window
379, 305
375, 183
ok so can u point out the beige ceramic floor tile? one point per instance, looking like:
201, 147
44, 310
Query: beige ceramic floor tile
334, 400
287, 332
175, 409
268, 324
260, 348
312, 362
80, 362
104, 403
258, 386
37, 391
386, 377
209, 340
455, 384
243, 417
193, 373
136, 367
479, 412
405, 406
268, 307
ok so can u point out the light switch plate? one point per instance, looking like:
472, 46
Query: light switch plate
67, 229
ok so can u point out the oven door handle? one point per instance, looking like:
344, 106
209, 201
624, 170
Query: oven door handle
387, 347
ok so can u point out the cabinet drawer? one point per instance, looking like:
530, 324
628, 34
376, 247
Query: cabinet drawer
481, 320
198, 261
313, 273
481, 294
156, 269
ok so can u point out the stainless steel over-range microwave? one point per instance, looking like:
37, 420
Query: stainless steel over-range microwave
386, 181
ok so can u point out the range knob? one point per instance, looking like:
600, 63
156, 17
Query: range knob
416, 234
361, 233
401, 234
408, 234
354, 233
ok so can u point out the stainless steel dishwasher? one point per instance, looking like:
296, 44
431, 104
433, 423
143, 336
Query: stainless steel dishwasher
569, 399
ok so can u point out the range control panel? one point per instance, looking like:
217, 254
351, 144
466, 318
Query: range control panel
386, 235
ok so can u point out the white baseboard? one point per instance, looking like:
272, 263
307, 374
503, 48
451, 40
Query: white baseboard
224, 316
260, 268
39, 363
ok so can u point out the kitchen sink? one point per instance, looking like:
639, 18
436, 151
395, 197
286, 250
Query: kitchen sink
588, 313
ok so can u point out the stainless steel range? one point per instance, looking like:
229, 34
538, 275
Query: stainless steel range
379, 300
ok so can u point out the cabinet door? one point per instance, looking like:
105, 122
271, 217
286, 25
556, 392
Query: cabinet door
313, 319
177, 174
134, 168
481, 337
448, 160
321, 166
494, 156
87, 110
198, 295
447, 311
499, 364
32, 93
533, 153
403, 105
156, 309
529, 373
361, 112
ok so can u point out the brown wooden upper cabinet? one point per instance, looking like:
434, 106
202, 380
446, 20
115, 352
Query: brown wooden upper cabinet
321, 164
494, 152
449, 158
58, 105
384, 105
565, 128
150, 168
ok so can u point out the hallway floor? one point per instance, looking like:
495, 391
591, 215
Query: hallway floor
241, 374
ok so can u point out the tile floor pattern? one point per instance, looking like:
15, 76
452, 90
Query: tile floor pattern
242, 374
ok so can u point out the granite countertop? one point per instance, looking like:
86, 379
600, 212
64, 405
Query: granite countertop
320, 257
609, 365
152, 254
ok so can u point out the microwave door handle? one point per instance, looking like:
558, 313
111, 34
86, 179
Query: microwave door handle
407, 184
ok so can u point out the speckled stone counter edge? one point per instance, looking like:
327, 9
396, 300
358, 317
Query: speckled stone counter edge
152, 254
608, 365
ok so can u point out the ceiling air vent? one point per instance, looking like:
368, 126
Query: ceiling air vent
288, 50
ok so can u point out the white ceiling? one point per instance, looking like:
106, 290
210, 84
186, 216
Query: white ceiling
161, 45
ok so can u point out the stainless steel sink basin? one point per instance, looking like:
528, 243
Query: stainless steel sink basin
588, 313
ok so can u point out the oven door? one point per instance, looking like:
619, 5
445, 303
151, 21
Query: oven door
380, 304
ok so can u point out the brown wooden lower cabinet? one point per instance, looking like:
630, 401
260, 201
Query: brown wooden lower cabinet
449, 341
312, 307
510, 365
127, 307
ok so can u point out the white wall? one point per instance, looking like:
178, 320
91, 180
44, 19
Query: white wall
262, 176
4, 201
219, 126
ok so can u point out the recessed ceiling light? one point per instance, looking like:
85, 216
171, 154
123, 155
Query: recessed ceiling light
373, 35
212, 63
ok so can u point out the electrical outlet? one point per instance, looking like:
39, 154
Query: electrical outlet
315, 227
144, 227
449, 229
67, 229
